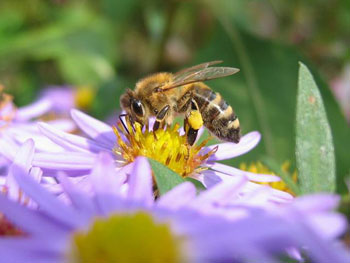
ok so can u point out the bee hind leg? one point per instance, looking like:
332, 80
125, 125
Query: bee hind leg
193, 122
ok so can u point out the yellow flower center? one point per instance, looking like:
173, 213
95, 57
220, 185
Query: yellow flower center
258, 167
126, 238
166, 146
84, 96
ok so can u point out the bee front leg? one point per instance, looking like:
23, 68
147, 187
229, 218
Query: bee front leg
193, 122
160, 117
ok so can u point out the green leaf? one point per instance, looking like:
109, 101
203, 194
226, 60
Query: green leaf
286, 178
79, 42
166, 179
314, 143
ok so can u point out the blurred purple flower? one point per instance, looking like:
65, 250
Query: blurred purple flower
341, 89
20, 124
62, 98
208, 229
81, 151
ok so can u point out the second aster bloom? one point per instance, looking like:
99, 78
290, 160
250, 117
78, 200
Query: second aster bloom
167, 146
111, 225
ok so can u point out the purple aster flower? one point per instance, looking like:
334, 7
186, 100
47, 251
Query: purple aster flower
114, 224
169, 148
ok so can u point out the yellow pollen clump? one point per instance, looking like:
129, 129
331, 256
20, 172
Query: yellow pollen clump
166, 146
195, 120
258, 167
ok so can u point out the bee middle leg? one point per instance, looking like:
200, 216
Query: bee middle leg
160, 117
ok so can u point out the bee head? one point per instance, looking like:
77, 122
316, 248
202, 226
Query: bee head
133, 106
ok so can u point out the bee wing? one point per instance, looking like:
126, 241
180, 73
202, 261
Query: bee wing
184, 72
200, 75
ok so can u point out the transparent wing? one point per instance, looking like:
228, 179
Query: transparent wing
185, 72
199, 73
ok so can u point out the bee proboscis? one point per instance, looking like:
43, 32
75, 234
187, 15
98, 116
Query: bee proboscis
166, 95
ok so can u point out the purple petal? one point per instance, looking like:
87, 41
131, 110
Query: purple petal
24, 156
70, 141
104, 177
222, 193
317, 248
61, 97
277, 196
210, 178
27, 220
230, 150
79, 199
46, 200
33, 110
63, 124
94, 128
105, 182
321, 224
23, 159
29, 249
64, 161
8, 147
41, 142
250, 189
316, 203
36, 173
177, 197
237, 172
140, 182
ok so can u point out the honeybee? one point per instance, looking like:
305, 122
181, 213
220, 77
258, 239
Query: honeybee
166, 95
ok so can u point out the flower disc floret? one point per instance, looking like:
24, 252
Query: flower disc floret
166, 146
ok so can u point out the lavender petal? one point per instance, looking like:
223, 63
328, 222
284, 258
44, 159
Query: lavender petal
70, 141
79, 199
140, 182
220, 194
18, 250
8, 147
64, 161
30, 221
230, 150
237, 172
46, 200
23, 160
94, 128
33, 110
177, 197
105, 182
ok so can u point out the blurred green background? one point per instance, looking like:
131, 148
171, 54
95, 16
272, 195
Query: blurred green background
108, 45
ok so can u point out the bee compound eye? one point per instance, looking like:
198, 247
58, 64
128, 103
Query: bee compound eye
137, 107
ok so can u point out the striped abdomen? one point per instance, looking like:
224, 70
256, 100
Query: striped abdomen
217, 115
